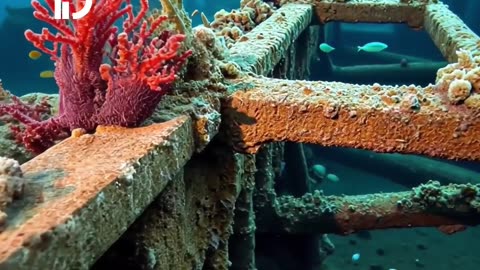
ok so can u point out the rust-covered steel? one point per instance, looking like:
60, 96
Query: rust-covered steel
430, 205
83, 193
368, 11
403, 119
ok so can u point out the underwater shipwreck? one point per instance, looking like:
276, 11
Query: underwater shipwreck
168, 156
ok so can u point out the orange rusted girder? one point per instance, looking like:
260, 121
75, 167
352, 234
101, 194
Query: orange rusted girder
83, 193
449, 208
404, 119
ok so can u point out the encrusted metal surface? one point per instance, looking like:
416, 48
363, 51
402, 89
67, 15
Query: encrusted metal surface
449, 208
189, 226
449, 32
385, 11
262, 48
405, 119
84, 193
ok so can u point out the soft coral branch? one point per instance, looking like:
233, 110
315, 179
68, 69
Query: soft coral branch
123, 92
154, 62
36, 134
79, 34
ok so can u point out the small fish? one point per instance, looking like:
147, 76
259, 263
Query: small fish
34, 54
333, 177
373, 47
46, 74
324, 47
319, 171
355, 257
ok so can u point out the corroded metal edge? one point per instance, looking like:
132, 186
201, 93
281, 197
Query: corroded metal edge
449, 32
450, 208
88, 204
405, 119
262, 48
370, 11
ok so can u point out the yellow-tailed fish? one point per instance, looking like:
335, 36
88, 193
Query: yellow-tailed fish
324, 47
34, 54
46, 74
373, 47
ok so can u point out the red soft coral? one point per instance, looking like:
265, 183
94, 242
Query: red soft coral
123, 92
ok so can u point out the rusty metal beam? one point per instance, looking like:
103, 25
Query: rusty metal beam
261, 49
373, 11
449, 32
83, 193
175, 231
449, 208
404, 119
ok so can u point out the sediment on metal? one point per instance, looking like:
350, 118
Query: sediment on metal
85, 192
368, 11
261, 49
373, 117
